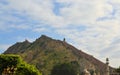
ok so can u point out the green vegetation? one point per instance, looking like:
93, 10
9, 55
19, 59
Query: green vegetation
45, 53
118, 70
13, 64
26, 69
65, 69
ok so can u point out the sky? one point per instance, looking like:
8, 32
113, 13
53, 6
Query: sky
92, 26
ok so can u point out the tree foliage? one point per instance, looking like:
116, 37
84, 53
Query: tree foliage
118, 70
9, 61
26, 69
65, 69
15, 61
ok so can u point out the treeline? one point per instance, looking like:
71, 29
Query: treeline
14, 65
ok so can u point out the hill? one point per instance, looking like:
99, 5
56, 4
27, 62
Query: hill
46, 52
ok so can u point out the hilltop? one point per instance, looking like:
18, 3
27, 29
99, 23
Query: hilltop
45, 52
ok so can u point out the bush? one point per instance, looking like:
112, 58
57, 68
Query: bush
64, 69
16, 64
26, 69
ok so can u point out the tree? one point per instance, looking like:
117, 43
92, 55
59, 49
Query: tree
118, 70
9, 62
26, 69
14, 65
64, 69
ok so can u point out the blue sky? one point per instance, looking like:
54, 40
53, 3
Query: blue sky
92, 26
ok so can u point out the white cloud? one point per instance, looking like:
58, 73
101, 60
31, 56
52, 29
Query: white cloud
19, 26
100, 18
4, 27
40, 29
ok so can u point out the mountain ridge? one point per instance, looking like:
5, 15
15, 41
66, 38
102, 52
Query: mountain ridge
44, 52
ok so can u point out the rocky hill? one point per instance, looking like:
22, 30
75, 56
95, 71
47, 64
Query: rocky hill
45, 52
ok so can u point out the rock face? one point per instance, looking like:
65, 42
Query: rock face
45, 52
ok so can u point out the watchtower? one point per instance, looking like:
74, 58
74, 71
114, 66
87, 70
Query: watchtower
63, 39
107, 67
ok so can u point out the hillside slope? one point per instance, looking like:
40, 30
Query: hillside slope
45, 52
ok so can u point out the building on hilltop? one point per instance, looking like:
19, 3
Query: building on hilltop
108, 71
64, 40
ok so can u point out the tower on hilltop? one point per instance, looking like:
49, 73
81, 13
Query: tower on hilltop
107, 67
64, 39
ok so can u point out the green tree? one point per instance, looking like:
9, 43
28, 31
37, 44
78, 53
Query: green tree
26, 69
64, 69
10, 63
118, 70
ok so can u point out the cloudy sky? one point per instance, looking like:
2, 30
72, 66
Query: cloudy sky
92, 26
